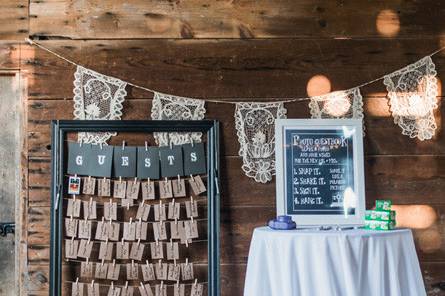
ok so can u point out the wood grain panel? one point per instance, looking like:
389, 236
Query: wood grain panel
14, 20
226, 68
233, 19
9, 55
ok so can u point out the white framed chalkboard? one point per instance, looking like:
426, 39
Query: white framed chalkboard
319, 171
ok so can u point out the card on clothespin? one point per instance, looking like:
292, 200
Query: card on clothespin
191, 229
159, 210
113, 231
101, 230
73, 208
196, 290
133, 189
182, 235
89, 209
119, 189
137, 250
174, 210
74, 185
110, 210
114, 291
160, 290
127, 202
178, 187
127, 291
122, 250
174, 272
78, 158
191, 208
89, 185
101, 160
143, 211
141, 230
105, 251
148, 272
104, 187
160, 230
197, 185
145, 290
161, 271
148, 162
132, 271
93, 289
86, 269
124, 164
174, 229
85, 229
101, 270
172, 250
165, 189
71, 248
187, 271
194, 159
179, 290
157, 251
129, 231
148, 190
85, 248
71, 227
77, 289
113, 271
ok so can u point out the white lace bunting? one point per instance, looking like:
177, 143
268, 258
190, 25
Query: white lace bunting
169, 107
97, 97
255, 126
412, 93
338, 104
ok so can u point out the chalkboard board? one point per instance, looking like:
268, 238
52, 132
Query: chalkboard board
321, 166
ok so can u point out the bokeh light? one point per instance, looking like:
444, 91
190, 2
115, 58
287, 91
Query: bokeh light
387, 23
318, 85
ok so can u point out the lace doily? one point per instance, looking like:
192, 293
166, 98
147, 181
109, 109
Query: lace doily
338, 104
97, 97
412, 95
255, 126
169, 107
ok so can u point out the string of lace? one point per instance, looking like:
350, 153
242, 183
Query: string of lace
338, 104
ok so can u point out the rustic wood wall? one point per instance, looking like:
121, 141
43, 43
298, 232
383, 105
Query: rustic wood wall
226, 49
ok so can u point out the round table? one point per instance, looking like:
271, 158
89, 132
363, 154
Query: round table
311, 262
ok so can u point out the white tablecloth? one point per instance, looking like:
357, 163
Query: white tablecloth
327, 263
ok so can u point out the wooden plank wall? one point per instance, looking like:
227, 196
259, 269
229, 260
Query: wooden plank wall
245, 49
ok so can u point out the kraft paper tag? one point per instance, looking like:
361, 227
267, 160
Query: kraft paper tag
191, 229
119, 189
86, 269
165, 189
187, 271
178, 186
196, 290
122, 250
145, 290
172, 250
133, 189
132, 271
148, 272
110, 211
160, 291
77, 289
89, 209
73, 209
137, 250
101, 271
191, 208
113, 271
129, 231
148, 190
179, 290
174, 210
85, 249
197, 185
159, 231
127, 291
93, 290
114, 291
71, 247
160, 214
174, 229
105, 251
141, 230
127, 202
113, 231
71, 227
157, 251
143, 212
101, 231
74, 185
161, 271
85, 229
174, 272
182, 235
104, 187
89, 186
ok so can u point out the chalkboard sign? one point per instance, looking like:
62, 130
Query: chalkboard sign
320, 171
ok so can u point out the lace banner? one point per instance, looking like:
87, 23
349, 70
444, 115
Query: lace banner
255, 126
97, 97
169, 107
412, 95
338, 104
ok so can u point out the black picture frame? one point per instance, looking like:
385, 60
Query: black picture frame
60, 128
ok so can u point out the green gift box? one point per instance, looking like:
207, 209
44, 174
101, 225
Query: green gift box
380, 215
379, 225
383, 205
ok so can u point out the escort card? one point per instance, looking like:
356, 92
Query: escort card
143, 211
127, 202
71, 227
119, 189
104, 187
114, 291
145, 290
110, 211
85, 248
101, 231
133, 189
89, 209
122, 250
93, 290
113, 271
161, 271
124, 161
191, 229
174, 272
148, 163
196, 290
160, 290
101, 161
191, 208
182, 235
179, 290
101, 270
178, 187
89, 186
71, 247
157, 251
136, 252
127, 291
194, 159
129, 231
165, 189
73, 208
85, 229
148, 190
159, 210
187, 271
172, 250
141, 230
86, 269
171, 161
132, 271
148, 272
197, 185
159, 231
105, 251
174, 229
174, 210
77, 289
113, 231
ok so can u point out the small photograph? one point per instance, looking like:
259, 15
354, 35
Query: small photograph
74, 185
